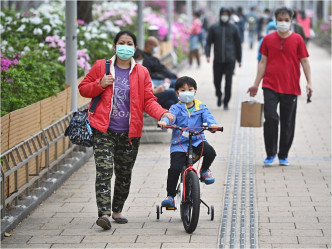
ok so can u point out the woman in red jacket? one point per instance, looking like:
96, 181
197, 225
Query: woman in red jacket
118, 122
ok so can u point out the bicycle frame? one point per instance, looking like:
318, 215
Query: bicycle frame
190, 163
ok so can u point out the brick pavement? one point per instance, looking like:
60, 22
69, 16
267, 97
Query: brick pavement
292, 204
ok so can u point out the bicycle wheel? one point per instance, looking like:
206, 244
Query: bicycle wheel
189, 208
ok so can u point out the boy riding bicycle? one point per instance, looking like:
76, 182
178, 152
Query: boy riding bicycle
189, 112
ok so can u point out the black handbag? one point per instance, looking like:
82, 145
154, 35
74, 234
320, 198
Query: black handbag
79, 130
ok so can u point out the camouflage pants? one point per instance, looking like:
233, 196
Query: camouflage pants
112, 151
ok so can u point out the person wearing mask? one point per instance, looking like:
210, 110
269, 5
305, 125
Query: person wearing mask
226, 39
117, 123
282, 54
234, 17
157, 70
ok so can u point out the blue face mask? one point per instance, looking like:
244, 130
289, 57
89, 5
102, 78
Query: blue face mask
187, 96
155, 50
125, 52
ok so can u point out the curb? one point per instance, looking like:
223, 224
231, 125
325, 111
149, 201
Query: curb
37, 195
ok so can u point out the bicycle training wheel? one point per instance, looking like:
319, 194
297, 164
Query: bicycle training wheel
158, 212
189, 208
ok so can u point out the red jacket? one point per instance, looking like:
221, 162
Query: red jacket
141, 97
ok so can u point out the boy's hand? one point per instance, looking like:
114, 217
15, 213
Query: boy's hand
162, 124
214, 127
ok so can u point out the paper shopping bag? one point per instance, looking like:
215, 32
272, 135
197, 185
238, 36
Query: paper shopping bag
251, 114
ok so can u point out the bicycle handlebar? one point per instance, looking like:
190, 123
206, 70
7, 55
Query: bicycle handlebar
203, 128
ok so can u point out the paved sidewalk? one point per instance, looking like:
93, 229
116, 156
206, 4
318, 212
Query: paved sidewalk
267, 207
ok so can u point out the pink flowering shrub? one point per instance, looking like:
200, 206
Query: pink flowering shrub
83, 57
8, 63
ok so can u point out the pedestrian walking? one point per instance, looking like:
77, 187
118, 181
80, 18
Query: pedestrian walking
252, 20
226, 39
118, 122
282, 53
241, 23
305, 22
296, 27
194, 39
205, 27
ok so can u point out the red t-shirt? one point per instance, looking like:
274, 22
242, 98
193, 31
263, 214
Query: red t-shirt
282, 72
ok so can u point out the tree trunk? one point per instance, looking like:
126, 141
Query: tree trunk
18, 5
84, 11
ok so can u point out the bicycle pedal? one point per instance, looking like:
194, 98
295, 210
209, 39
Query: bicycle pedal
170, 208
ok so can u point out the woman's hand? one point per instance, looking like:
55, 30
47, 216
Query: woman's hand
168, 115
106, 81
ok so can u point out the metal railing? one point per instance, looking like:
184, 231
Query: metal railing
31, 151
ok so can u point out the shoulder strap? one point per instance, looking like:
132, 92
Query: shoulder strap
96, 99
107, 66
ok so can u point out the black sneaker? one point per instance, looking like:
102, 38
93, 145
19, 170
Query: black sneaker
219, 101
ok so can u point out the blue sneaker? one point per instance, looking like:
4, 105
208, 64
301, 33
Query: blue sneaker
283, 162
269, 160
168, 202
206, 176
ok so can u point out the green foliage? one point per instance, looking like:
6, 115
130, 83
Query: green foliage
30, 81
33, 47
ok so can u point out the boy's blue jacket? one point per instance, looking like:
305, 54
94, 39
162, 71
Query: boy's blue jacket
183, 118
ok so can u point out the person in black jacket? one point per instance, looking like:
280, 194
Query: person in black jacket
157, 70
227, 49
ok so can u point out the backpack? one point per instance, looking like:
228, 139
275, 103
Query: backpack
252, 22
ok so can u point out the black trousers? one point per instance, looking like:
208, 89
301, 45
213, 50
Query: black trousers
287, 109
178, 160
219, 69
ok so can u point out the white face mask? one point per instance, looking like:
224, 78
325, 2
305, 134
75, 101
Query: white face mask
283, 26
224, 18
139, 62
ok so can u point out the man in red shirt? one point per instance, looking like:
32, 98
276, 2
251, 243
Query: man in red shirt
282, 53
